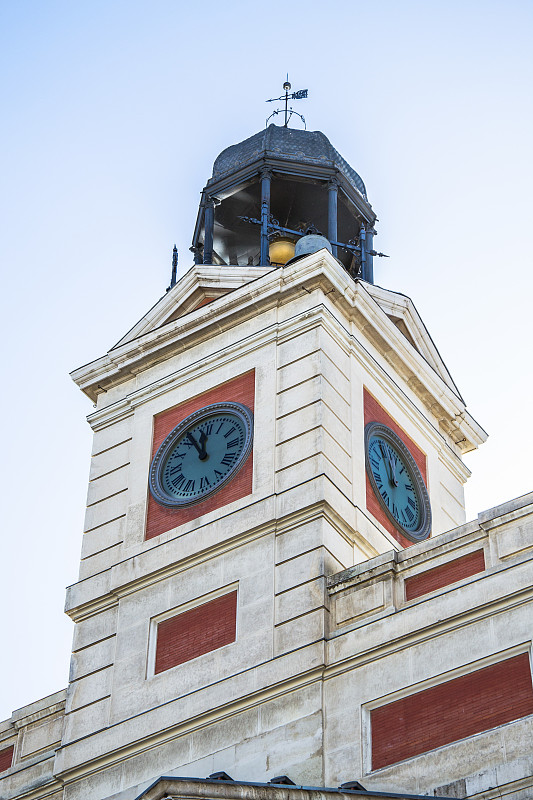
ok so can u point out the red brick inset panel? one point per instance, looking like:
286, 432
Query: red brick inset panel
6, 758
160, 519
375, 413
195, 632
445, 574
203, 302
454, 710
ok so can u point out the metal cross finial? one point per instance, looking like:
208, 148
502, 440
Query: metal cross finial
301, 94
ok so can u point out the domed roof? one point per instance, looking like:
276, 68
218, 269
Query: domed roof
310, 147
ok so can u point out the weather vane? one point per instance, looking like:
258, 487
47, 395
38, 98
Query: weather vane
301, 94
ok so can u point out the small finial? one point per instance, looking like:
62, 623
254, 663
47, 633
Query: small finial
173, 277
301, 94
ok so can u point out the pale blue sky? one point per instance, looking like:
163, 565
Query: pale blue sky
113, 113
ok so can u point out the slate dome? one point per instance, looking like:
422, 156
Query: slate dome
289, 144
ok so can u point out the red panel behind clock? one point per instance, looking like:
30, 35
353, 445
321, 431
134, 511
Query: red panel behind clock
376, 413
238, 390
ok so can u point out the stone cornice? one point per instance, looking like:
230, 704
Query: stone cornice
507, 512
205, 277
423, 379
24, 716
356, 348
399, 305
154, 345
319, 270
125, 407
474, 612
451, 544
103, 590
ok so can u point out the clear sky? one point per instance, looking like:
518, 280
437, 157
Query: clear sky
113, 113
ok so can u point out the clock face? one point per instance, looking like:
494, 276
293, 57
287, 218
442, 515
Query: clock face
201, 455
397, 482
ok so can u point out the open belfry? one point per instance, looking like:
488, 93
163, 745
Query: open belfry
279, 596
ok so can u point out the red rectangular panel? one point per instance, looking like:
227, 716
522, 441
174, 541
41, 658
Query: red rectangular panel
373, 412
6, 758
453, 710
195, 632
445, 574
239, 390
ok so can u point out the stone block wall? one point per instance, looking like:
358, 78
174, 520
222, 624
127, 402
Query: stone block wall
429, 687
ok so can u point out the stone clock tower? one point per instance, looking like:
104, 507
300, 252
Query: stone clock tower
277, 583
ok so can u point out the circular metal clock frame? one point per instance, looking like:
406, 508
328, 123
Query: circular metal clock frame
384, 432
157, 490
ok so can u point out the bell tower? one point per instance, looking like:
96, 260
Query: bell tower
235, 468
267, 191
277, 581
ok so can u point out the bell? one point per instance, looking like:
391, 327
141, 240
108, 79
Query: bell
280, 251
311, 243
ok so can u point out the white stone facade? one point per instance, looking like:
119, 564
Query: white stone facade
323, 629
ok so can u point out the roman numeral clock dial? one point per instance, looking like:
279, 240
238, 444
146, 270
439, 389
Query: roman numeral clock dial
397, 482
201, 454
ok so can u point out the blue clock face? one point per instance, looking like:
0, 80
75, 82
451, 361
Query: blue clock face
397, 482
202, 454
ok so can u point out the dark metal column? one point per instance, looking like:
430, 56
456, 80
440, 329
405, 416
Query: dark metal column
333, 191
369, 259
266, 176
209, 222
362, 245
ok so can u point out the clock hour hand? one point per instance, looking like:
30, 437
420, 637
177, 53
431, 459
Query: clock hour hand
199, 447
203, 439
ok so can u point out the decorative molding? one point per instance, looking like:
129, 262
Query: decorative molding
126, 406
200, 276
110, 598
402, 306
320, 272
282, 332
431, 632
46, 707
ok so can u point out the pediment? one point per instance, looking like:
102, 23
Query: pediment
201, 285
234, 295
401, 311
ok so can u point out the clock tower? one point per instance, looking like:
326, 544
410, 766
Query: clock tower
231, 474
275, 517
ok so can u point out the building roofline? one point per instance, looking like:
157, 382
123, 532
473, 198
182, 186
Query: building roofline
289, 792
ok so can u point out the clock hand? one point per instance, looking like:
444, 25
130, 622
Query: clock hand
203, 452
393, 472
193, 441
386, 459
390, 464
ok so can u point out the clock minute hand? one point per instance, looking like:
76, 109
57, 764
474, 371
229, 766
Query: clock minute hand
386, 459
393, 471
